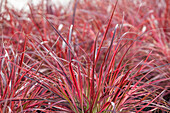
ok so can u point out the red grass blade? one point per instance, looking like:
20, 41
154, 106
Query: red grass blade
22, 56
95, 58
104, 107
74, 81
151, 101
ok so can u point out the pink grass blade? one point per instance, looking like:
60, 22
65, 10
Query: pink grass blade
22, 56
74, 81
100, 79
107, 28
151, 101
69, 96
141, 69
111, 43
95, 58
104, 107
120, 86
59, 34
19, 80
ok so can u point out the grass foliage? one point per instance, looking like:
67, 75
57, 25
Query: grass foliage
97, 56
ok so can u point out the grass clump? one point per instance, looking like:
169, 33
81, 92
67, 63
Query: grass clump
89, 57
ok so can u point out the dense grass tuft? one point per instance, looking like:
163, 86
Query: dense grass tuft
89, 57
